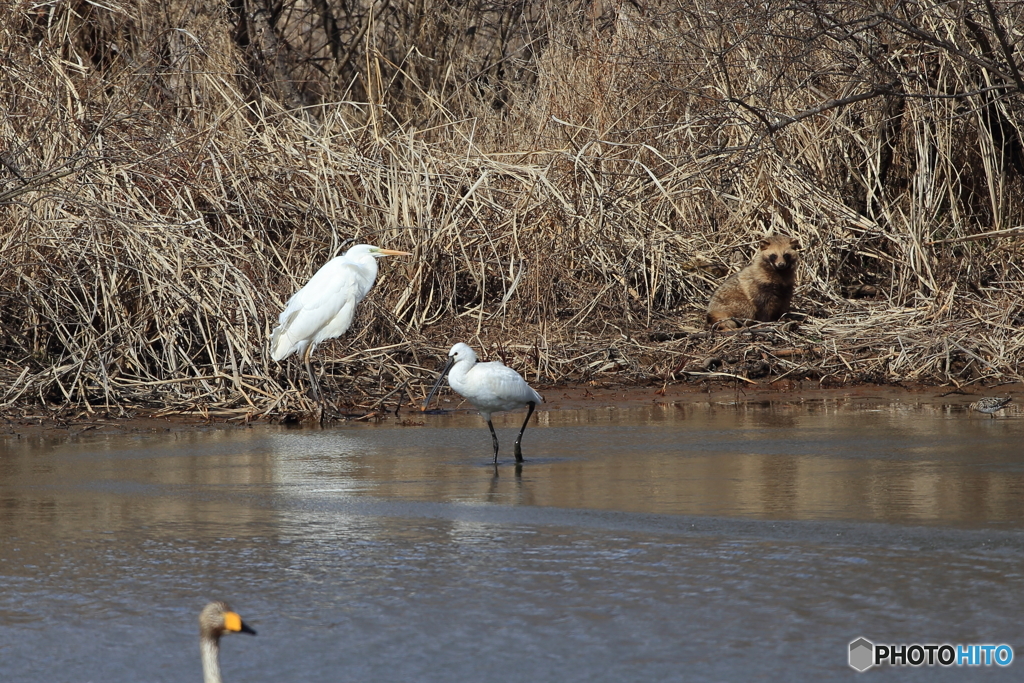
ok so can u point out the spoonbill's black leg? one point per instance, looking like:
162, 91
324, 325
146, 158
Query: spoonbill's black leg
494, 438
519, 439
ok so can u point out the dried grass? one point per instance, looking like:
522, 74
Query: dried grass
157, 207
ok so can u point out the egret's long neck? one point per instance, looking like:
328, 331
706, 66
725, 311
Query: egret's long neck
370, 263
367, 275
210, 650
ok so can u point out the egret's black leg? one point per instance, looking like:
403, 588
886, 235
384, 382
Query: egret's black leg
494, 437
519, 439
313, 384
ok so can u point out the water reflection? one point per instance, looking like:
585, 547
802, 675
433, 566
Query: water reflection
892, 463
775, 461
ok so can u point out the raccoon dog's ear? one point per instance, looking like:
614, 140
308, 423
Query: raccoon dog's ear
795, 243
765, 243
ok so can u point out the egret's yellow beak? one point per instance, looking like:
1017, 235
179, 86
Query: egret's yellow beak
392, 252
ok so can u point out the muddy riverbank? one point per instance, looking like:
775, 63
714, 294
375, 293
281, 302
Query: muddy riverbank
559, 397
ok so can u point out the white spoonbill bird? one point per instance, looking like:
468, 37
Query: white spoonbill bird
215, 620
490, 387
325, 307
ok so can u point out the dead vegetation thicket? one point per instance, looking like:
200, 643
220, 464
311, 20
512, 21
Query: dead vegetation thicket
573, 178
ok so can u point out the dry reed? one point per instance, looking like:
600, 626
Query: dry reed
573, 188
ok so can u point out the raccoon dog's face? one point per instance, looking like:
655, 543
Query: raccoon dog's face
780, 252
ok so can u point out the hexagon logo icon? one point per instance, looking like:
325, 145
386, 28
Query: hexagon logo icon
862, 652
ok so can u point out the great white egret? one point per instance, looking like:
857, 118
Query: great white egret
325, 307
215, 620
490, 387
991, 405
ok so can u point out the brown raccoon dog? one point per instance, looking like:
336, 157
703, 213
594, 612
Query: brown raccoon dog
760, 292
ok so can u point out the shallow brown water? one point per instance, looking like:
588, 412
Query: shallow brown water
669, 542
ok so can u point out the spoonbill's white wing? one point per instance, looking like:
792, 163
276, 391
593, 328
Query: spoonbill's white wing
495, 387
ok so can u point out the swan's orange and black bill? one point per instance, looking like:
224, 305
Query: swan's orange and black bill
233, 622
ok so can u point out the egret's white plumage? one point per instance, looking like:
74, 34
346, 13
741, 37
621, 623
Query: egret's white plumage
490, 387
217, 619
325, 307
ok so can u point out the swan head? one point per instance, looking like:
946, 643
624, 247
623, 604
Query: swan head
217, 618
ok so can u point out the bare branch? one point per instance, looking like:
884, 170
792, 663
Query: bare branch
997, 27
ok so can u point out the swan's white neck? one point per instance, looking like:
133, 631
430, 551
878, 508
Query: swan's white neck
210, 651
